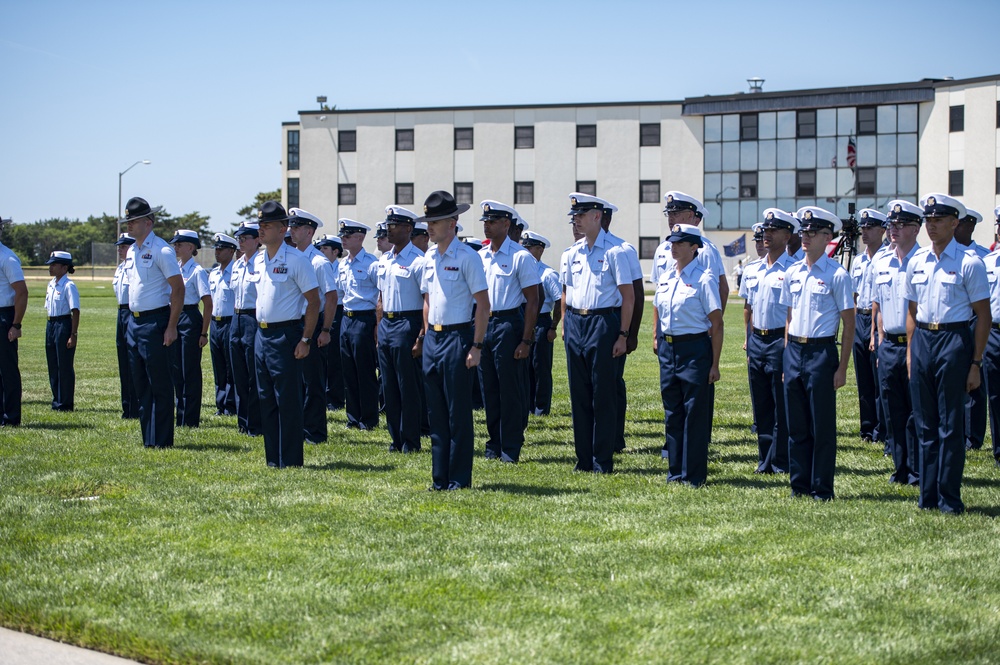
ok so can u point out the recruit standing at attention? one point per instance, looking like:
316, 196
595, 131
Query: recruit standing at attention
192, 329
540, 369
223, 305
243, 330
13, 303
62, 305
333, 250
359, 279
130, 403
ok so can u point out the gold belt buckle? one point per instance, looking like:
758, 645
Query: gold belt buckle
438, 327
583, 312
135, 314
764, 332
263, 324
934, 326
391, 315
218, 318
669, 338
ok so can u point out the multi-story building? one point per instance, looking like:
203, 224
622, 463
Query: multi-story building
740, 153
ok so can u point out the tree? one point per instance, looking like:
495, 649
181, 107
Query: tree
249, 212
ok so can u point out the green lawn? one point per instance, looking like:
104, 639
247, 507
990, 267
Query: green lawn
201, 554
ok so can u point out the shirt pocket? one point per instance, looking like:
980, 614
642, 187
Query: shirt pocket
951, 287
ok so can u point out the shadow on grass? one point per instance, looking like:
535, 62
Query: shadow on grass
760, 482
734, 458
992, 512
351, 466
885, 498
50, 426
981, 482
531, 490
224, 447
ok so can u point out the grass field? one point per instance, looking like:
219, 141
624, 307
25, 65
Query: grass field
201, 554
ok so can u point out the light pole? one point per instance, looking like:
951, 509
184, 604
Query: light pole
120, 174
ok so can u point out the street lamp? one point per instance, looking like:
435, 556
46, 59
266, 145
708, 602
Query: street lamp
120, 174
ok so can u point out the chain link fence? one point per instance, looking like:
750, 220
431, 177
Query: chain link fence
105, 261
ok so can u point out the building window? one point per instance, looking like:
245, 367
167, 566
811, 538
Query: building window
404, 193
998, 115
293, 150
463, 192
748, 127
463, 138
347, 140
805, 182
404, 139
865, 183
524, 192
586, 136
748, 185
524, 137
649, 133
649, 191
956, 183
998, 182
956, 118
347, 195
867, 120
805, 124
293, 192
588, 187
647, 247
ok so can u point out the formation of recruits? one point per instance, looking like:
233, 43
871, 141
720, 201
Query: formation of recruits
297, 325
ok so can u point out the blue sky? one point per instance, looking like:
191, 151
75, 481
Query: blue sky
201, 88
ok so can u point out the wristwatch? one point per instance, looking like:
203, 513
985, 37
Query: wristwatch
529, 342
477, 345
623, 333
304, 340
328, 330
15, 326
978, 363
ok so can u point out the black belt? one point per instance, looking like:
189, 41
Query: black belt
249, 312
896, 339
769, 332
122, 306
673, 339
7, 310
401, 314
437, 327
63, 317
222, 319
340, 308
504, 312
996, 326
280, 324
152, 312
943, 327
191, 308
865, 311
812, 340
358, 313
591, 312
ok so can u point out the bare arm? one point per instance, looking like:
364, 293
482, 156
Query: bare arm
176, 305
715, 318
628, 303
312, 314
531, 308
71, 342
482, 316
20, 305
723, 292
637, 310
846, 343
206, 320
329, 312
984, 320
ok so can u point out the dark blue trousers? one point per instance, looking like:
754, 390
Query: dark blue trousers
765, 363
314, 377
334, 366
62, 377
811, 407
279, 388
621, 400
10, 375
540, 369
991, 376
130, 403
402, 378
975, 411
151, 367
866, 376
186, 358
897, 405
687, 418
360, 358
939, 367
242, 340
448, 384
222, 369
593, 390
504, 384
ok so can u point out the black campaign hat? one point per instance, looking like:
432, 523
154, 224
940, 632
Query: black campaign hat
137, 207
271, 211
441, 205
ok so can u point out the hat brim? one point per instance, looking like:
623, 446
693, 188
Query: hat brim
685, 237
459, 209
62, 261
152, 211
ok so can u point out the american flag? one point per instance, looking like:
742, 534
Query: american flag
852, 153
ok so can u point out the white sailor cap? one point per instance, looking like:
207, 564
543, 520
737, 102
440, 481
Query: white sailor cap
300, 217
686, 233
125, 239
397, 215
679, 201
419, 229
520, 221
349, 226
458, 227
580, 203
758, 231
903, 211
942, 205
222, 241
971, 216
329, 241
186, 235
813, 217
474, 243
529, 238
871, 217
496, 210
248, 229
776, 218
60, 257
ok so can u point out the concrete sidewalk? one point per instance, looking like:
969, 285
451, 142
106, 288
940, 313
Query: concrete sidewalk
23, 649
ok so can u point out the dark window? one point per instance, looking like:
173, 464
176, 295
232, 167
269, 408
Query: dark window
524, 192
404, 193
524, 137
956, 118
463, 138
347, 139
865, 182
998, 114
293, 192
649, 133
748, 185
805, 123
404, 139
649, 191
588, 187
647, 246
293, 149
748, 127
586, 136
998, 182
805, 182
956, 183
867, 120
347, 195
463, 192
